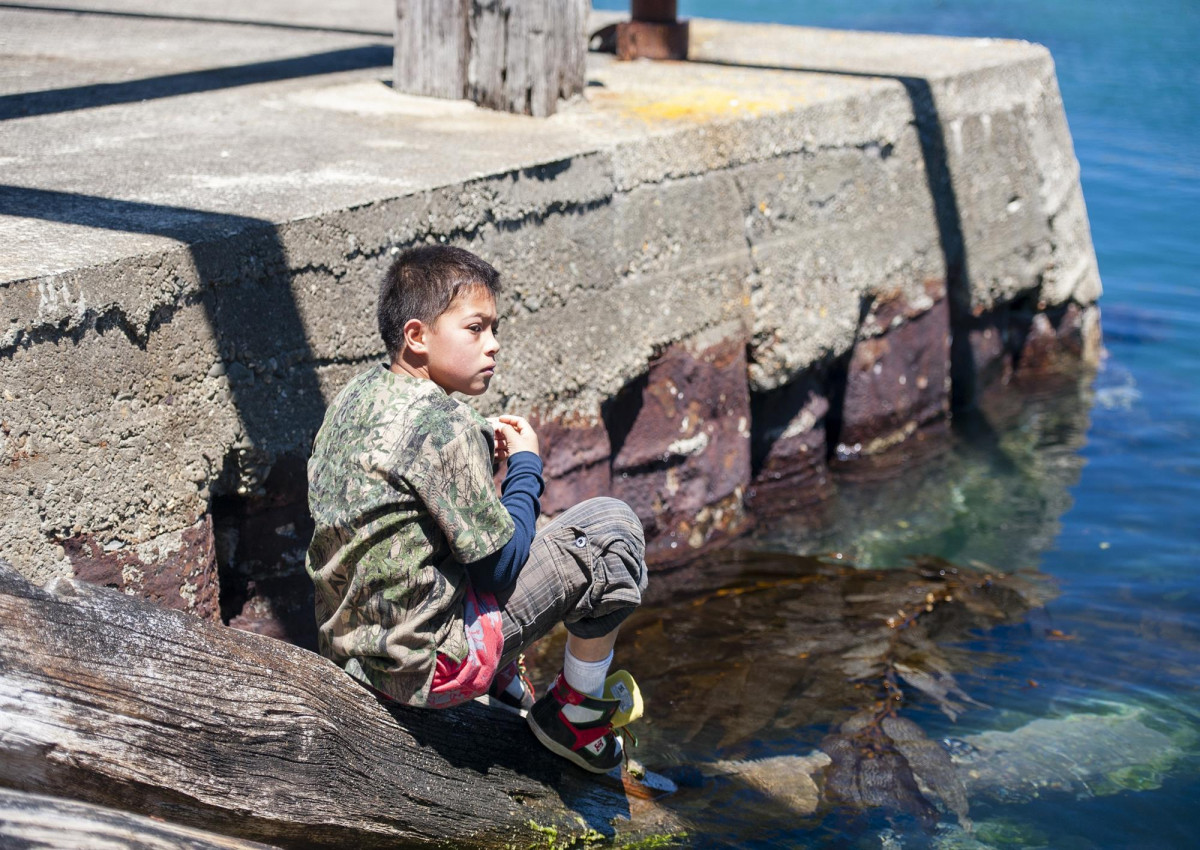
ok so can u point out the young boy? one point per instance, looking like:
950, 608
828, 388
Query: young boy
428, 583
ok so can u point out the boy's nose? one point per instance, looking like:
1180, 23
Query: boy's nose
493, 343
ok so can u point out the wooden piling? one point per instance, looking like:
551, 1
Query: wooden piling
511, 55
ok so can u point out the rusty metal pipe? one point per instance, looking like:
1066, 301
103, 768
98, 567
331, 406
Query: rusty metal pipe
654, 11
654, 33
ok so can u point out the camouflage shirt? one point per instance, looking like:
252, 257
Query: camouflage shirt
400, 487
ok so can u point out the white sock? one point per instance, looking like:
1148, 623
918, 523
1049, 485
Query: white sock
587, 677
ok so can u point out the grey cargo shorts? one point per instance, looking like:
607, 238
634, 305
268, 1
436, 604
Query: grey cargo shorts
586, 568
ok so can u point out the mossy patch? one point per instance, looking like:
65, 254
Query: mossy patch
1007, 832
555, 838
652, 842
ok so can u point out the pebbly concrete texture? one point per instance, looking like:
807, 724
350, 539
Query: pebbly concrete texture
799, 248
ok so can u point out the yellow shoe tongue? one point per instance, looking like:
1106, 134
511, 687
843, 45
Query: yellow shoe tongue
621, 687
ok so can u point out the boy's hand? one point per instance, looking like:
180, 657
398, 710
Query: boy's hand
513, 434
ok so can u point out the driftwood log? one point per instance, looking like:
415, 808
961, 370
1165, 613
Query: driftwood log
38, 822
108, 700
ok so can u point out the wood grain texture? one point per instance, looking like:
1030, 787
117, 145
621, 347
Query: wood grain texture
111, 701
39, 822
512, 55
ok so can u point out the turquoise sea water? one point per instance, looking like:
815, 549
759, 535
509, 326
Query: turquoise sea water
1119, 537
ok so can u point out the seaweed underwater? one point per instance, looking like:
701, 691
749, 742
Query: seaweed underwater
791, 705
783, 684
824, 662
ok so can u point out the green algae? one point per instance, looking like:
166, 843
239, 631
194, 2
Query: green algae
552, 837
548, 833
1008, 832
653, 842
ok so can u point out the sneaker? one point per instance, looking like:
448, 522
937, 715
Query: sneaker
500, 694
592, 744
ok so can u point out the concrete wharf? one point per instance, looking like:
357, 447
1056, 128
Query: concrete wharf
725, 277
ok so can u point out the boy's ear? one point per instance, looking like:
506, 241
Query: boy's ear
414, 336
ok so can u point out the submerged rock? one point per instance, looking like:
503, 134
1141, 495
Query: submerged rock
1079, 754
1082, 754
788, 780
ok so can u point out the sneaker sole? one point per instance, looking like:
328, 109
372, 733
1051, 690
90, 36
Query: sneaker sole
569, 754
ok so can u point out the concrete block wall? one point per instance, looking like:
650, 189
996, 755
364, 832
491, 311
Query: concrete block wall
724, 283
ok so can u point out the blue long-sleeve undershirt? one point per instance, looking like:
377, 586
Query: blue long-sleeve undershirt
519, 494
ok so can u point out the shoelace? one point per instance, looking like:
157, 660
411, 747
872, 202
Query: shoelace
628, 741
523, 674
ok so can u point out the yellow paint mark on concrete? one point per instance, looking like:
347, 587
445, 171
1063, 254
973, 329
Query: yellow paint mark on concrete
702, 104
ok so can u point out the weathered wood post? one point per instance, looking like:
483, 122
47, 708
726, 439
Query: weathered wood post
512, 55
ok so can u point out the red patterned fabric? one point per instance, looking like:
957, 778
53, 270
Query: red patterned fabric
456, 682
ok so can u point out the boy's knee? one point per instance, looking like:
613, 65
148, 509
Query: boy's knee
612, 533
619, 515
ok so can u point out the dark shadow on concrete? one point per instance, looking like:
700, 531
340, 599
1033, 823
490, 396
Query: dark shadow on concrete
932, 139
190, 19
180, 223
53, 101
949, 223
621, 411
246, 294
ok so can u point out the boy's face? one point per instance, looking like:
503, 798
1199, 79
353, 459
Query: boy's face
461, 343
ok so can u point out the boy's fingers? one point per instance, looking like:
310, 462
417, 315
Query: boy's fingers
519, 423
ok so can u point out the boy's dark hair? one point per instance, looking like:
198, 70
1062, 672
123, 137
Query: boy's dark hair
422, 283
